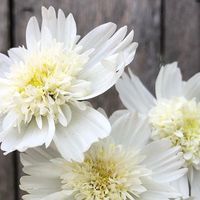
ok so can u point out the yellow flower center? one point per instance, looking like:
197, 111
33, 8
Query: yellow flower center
108, 172
179, 120
44, 81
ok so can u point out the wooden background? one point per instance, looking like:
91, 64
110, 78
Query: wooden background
167, 30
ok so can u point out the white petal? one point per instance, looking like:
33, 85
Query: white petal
5, 63
166, 162
39, 121
9, 120
195, 184
70, 32
125, 43
158, 191
49, 20
44, 170
46, 38
67, 112
97, 36
39, 185
33, 136
101, 78
182, 186
127, 55
32, 33
61, 26
169, 82
191, 88
134, 95
80, 88
106, 49
131, 130
37, 155
51, 130
86, 127
10, 139
62, 195
116, 115
17, 54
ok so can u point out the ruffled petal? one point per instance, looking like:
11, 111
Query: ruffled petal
33, 34
5, 63
134, 95
70, 32
97, 36
49, 20
191, 88
158, 191
169, 82
182, 186
131, 130
165, 161
85, 128
195, 184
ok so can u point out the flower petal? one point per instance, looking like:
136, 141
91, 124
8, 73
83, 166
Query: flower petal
85, 128
105, 50
70, 32
191, 88
5, 63
49, 20
51, 130
37, 155
60, 26
32, 136
195, 184
10, 139
97, 36
165, 161
158, 191
9, 120
169, 82
101, 78
133, 94
182, 186
131, 130
32, 33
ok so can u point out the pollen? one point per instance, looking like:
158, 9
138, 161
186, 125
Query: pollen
108, 172
179, 120
44, 81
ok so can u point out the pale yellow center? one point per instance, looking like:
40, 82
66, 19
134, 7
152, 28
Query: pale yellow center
179, 119
45, 81
108, 172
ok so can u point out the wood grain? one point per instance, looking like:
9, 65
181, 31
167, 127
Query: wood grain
182, 35
7, 190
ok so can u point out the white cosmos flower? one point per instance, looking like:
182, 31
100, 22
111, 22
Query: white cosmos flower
120, 167
173, 114
42, 85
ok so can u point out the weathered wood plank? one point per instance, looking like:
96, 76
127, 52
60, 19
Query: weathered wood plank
182, 32
7, 190
142, 15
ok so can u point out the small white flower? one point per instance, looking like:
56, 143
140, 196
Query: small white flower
42, 85
120, 167
173, 114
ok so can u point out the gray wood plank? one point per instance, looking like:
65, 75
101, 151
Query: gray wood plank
142, 15
7, 190
182, 34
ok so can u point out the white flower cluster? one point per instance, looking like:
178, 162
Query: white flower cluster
70, 151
